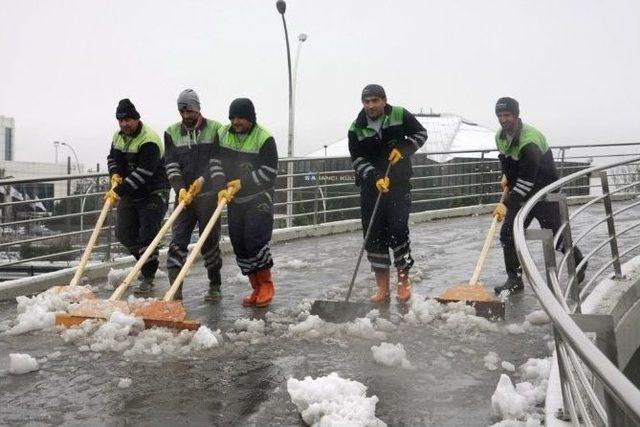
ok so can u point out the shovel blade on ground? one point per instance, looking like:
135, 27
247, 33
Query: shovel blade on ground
340, 311
492, 310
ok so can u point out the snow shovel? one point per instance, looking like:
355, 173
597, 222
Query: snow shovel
345, 311
82, 293
474, 293
169, 313
102, 309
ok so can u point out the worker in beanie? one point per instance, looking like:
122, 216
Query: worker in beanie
189, 144
381, 135
249, 159
139, 182
527, 166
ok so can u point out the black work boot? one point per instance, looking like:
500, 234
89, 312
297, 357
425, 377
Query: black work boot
577, 256
173, 274
512, 285
512, 265
145, 287
215, 283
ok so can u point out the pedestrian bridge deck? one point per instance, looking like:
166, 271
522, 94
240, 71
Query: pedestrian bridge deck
244, 382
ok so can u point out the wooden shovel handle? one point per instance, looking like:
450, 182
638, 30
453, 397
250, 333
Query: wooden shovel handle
487, 245
195, 251
92, 242
117, 294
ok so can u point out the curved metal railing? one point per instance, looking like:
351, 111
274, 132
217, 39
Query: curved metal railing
580, 361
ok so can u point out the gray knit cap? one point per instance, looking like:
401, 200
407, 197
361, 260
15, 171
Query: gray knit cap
188, 100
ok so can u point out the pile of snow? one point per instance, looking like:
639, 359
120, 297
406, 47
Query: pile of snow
517, 329
522, 401
331, 400
115, 277
39, 312
314, 328
391, 355
20, 363
126, 334
538, 317
248, 330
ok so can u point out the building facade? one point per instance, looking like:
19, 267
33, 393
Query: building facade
7, 137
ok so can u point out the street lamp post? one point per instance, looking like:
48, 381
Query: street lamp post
74, 155
281, 6
56, 145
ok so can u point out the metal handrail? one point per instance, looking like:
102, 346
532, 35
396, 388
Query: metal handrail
614, 381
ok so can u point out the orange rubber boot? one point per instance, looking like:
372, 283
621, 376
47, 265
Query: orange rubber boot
382, 294
265, 288
404, 287
251, 299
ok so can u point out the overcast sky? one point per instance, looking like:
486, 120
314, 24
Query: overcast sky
573, 65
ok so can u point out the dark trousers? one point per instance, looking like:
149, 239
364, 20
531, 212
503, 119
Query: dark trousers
390, 228
250, 228
198, 212
547, 214
138, 223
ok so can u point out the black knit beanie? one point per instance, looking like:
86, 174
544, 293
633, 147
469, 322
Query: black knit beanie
509, 105
242, 108
126, 110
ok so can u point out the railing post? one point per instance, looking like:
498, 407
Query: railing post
562, 151
315, 200
549, 253
289, 210
567, 249
613, 242
481, 168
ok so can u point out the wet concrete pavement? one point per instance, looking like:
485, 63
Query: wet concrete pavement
245, 384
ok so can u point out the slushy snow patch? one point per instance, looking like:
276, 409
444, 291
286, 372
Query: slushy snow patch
295, 264
115, 277
508, 366
491, 361
538, 317
516, 329
333, 401
124, 383
20, 363
506, 403
391, 355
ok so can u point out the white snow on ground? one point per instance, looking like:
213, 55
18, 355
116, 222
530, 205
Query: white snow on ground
38, 312
491, 361
294, 264
238, 279
313, 328
516, 329
115, 277
124, 383
391, 355
538, 317
126, 334
520, 403
248, 330
333, 401
508, 366
20, 363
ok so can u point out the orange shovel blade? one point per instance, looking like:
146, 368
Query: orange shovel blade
172, 311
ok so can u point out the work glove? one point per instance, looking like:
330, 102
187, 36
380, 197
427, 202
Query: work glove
233, 187
195, 187
224, 194
504, 183
185, 196
383, 184
500, 211
111, 196
115, 179
395, 156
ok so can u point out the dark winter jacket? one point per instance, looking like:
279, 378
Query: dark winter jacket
189, 154
138, 159
370, 151
254, 161
527, 162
